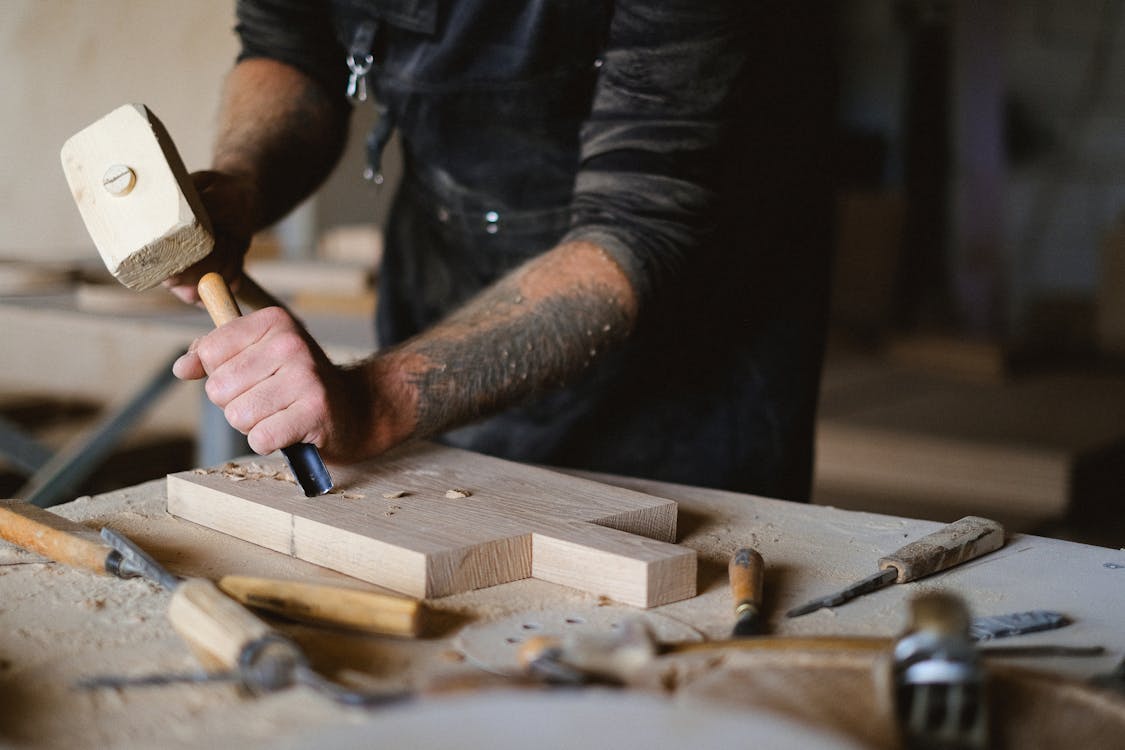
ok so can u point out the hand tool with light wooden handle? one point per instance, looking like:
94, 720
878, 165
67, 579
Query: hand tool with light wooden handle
73, 544
49, 534
364, 611
747, 570
953, 544
221, 632
304, 458
226, 635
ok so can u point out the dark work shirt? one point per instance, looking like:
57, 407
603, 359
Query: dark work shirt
660, 130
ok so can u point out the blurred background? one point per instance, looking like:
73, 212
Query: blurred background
978, 309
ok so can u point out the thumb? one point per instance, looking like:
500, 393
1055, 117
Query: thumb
189, 366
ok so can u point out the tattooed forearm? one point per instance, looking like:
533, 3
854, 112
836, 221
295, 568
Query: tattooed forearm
530, 332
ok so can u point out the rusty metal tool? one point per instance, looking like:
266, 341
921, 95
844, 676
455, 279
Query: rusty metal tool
937, 677
304, 458
953, 544
73, 544
747, 570
992, 627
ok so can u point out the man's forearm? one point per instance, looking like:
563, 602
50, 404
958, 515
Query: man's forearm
531, 331
279, 130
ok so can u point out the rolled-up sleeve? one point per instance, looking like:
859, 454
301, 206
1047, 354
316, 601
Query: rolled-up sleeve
296, 32
651, 146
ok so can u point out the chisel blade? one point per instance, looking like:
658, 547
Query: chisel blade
873, 582
135, 560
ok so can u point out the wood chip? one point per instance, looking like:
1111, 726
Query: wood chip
237, 472
395, 495
457, 493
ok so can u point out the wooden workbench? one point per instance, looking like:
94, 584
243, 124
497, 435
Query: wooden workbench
58, 625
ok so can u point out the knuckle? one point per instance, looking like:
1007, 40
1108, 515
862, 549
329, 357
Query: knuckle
238, 418
215, 389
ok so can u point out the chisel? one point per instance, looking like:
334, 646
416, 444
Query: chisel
955, 543
304, 459
73, 544
746, 570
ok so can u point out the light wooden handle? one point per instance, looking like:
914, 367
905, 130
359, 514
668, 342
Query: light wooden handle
962, 540
218, 628
218, 300
37, 530
354, 609
747, 570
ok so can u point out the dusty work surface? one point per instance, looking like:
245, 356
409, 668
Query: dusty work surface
59, 625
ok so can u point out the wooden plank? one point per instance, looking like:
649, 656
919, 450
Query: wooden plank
390, 522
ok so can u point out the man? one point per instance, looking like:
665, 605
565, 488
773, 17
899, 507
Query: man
609, 250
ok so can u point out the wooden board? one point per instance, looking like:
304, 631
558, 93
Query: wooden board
516, 521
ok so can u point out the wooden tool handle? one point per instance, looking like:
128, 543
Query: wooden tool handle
218, 628
962, 540
746, 571
218, 300
365, 611
32, 528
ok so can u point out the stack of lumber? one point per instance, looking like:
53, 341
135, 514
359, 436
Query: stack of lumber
1036, 449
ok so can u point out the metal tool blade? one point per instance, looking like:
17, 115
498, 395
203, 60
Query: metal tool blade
873, 582
1016, 623
136, 560
749, 623
308, 469
154, 680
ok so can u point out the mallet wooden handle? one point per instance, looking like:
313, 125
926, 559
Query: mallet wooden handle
746, 570
218, 300
354, 609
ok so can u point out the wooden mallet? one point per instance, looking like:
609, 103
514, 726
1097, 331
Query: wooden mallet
148, 223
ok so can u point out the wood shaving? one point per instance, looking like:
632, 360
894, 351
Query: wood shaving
395, 495
353, 496
457, 493
236, 472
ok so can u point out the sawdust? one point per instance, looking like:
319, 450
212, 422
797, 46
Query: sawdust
395, 495
58, 625
457, 493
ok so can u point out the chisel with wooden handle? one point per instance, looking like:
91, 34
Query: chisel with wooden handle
304, 459
226, 636
951, 545
60, 539
746, 570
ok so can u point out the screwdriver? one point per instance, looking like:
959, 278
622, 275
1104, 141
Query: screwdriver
955, 543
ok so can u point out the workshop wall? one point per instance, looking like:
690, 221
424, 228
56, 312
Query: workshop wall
64, 64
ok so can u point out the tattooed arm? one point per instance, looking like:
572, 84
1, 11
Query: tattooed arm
531, 330
280, 133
